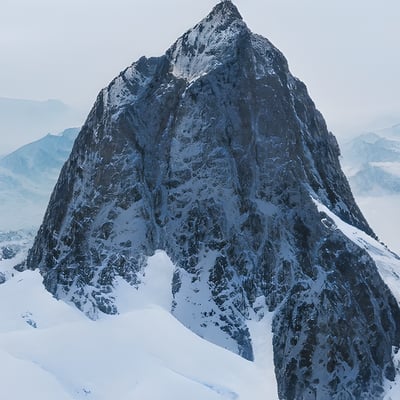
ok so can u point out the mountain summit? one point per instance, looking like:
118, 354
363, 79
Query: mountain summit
207, 45
216, 154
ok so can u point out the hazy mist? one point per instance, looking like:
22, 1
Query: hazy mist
347, 53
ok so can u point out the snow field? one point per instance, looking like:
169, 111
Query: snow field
143, 353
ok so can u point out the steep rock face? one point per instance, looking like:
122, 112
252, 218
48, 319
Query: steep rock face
215, 153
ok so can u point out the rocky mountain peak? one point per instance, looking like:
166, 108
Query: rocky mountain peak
215, 154
225, 10
208, 43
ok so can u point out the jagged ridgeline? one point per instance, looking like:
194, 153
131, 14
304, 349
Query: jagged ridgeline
216, 154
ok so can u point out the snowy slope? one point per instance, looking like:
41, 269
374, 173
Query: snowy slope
27, 177
143, 353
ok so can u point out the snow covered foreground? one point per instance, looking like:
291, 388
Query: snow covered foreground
50, 350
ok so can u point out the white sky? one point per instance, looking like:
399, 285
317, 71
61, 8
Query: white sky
346, 51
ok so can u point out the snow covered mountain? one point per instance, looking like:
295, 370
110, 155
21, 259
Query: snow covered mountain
27, 177
215, 155
372, 163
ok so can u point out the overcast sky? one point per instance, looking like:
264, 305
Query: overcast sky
346, 51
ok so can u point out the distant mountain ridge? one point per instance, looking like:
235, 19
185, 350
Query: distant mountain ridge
372, 162
27, 177
21, 120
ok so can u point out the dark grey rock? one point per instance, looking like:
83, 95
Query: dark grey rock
8, 252
213, 152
